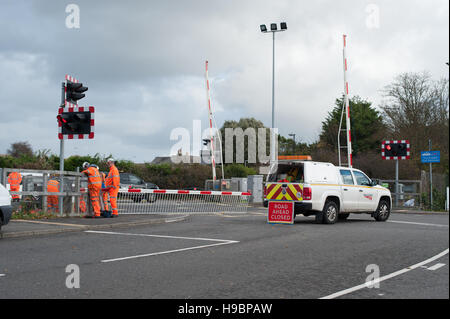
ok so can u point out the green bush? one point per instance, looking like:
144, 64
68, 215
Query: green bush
438, 200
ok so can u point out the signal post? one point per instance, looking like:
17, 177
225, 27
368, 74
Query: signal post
396, 150
75, 123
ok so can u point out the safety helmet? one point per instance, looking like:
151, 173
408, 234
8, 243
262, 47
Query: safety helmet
111, 160
85, 165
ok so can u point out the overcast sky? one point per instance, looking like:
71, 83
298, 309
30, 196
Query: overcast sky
144, 64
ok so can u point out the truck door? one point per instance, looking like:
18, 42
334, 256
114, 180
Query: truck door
367, 196
349, 191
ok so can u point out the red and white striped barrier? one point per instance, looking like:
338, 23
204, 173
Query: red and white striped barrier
347, 106
208, 96
169, 201
185, 192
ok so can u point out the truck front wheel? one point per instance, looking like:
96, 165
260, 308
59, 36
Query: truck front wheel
383, 211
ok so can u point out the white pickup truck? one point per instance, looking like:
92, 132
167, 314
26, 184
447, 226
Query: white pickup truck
329, 192
5, 206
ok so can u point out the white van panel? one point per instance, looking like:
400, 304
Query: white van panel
323, 173
5, 197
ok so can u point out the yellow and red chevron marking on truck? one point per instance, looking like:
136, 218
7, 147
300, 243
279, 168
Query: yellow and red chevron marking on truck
284, 191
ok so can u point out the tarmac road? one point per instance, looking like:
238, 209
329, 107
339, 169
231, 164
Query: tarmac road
235, 256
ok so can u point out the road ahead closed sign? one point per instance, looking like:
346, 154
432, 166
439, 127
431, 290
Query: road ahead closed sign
281, 213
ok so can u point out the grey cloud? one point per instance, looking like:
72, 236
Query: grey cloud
144, 64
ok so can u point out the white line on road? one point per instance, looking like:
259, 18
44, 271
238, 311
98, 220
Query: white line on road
436, 267
413, 223
160, 236
2, 275
166, 252
394, 274
220, 242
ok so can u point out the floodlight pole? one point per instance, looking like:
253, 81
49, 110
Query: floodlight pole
273, 155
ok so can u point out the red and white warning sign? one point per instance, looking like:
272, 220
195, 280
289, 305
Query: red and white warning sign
84, 128
280, 212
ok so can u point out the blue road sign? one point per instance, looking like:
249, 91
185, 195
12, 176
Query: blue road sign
430, 156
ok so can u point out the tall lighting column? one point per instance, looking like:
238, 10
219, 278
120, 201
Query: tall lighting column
273, 29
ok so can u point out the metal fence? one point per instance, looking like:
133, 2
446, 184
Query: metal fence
73, 199
145, 201
33, 194
409, 193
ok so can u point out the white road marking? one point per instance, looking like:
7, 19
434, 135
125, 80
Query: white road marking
2, 275
413, 223
220, 242
159, 236
165, 252
436, 267
383, 278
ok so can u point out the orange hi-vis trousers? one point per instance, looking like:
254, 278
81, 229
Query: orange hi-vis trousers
106, 201
113, 191
94, 194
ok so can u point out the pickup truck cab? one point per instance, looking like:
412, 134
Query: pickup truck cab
5, 206
329, 192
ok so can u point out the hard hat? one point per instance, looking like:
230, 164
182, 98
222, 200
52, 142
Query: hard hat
85, 165
111, 160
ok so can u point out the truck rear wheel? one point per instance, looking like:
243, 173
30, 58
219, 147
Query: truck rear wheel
329, 214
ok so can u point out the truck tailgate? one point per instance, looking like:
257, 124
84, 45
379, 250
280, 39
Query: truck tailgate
284, 191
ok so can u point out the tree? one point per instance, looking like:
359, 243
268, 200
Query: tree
20, 149
366, 126
417, 108
238, 170
287, 146
231, 144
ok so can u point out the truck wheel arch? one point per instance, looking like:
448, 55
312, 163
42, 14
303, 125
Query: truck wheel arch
331, 197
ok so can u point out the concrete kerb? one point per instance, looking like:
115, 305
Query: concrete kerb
418, 212
78, 228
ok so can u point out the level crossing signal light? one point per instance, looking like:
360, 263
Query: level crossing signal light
395, 149
74, 92
75, 122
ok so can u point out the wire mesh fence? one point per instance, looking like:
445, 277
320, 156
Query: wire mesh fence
73, 198
145, 201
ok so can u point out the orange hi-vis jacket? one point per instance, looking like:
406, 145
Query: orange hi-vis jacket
53, 186
14, 179
94, 177
113, 178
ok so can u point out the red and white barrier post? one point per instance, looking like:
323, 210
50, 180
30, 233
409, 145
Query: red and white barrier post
347, 106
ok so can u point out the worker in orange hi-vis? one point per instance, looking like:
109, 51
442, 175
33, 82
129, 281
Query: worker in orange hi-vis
52, 200
94, 187
105, 194
113, 185
14, 180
